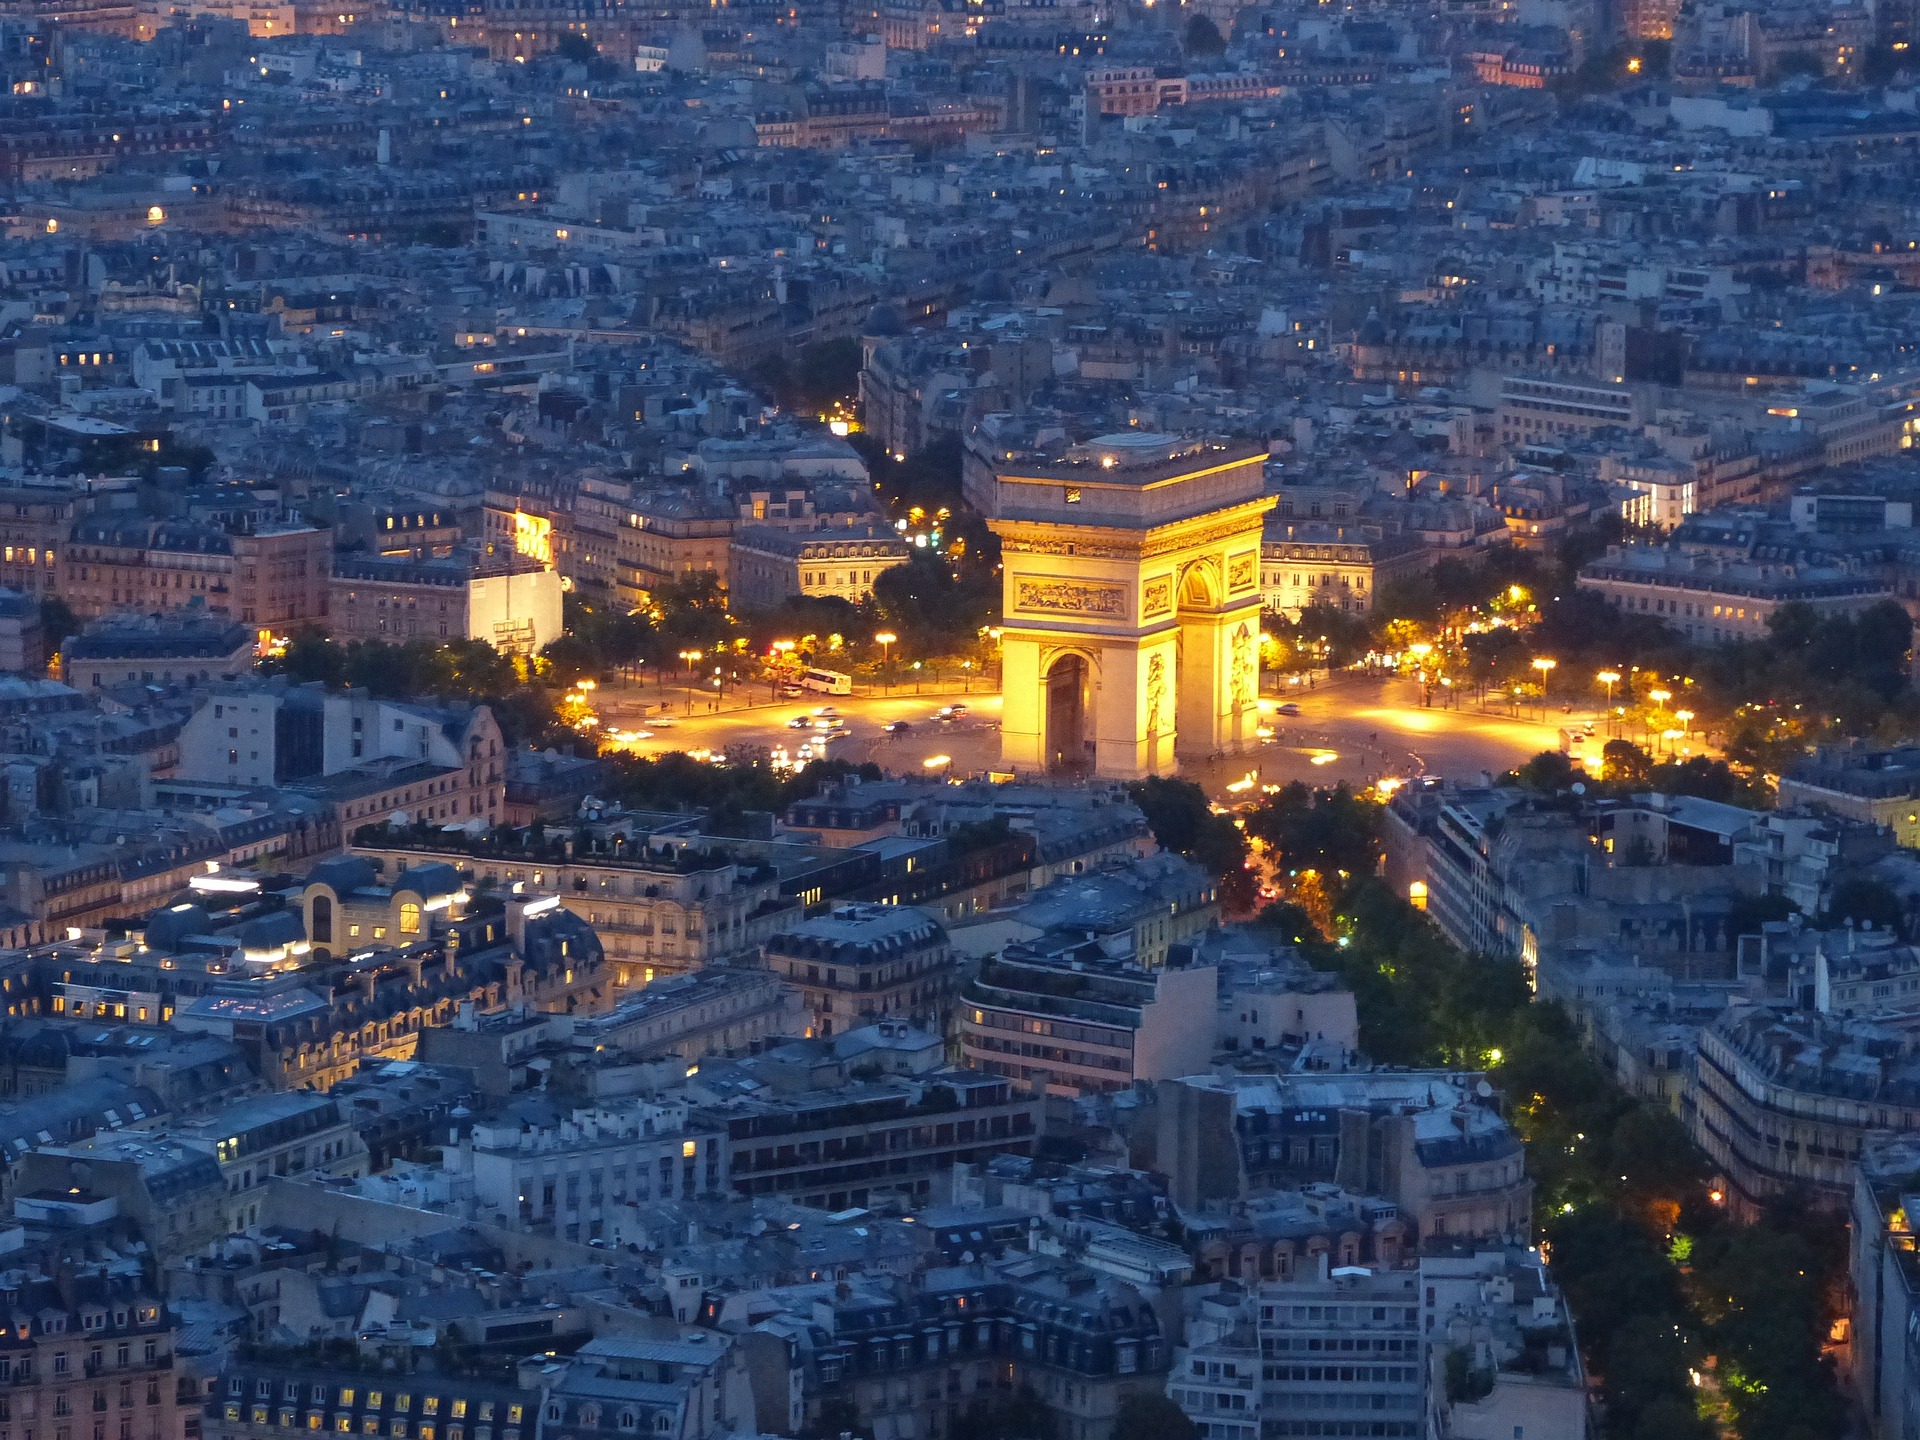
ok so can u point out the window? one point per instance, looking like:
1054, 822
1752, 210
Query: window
409, 919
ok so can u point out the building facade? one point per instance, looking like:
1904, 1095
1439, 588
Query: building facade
862, 962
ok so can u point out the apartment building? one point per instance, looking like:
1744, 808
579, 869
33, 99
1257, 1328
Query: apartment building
1713, 599
1061, 1018
149, 650
93, 1348
569, 1174
659, 909
1303, 564
1451, 1166
1535, 410
768, 566
273, 578
854, 1144
862, 962
1773, 1125
1342, 1354
509, 600
371, 758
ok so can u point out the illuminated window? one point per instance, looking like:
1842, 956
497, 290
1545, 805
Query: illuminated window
409, 919
688, 1149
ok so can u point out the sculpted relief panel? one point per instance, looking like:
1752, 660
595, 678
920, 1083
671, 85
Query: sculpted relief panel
1156, 596
1070, 597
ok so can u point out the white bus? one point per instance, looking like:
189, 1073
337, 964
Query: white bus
827, 682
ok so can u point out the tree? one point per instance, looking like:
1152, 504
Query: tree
1866, 902
823, 374
1549, 772
932, 612
928, 478
1333, 832
838, 1416
691, 612
1798, 62
1625, 764
1323, 635
310, 655
1182, 820
799, 616
1152, 1417
1022, 1415
1497, 657
58, 623
1203, 39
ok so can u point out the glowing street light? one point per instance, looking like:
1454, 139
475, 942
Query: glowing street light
1660, 697
1546, 668
1609, 678
885, 640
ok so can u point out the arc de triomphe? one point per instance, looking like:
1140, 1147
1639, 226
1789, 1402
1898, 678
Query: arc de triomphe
1132, 603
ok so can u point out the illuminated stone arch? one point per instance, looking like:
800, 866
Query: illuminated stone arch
1140, 553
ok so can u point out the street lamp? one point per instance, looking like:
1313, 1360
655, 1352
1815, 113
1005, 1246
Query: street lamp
1685, 717
1546, 669
1659, 698
690, 658
885, 641
782, 650
1609, 678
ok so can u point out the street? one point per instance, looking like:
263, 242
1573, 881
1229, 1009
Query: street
1350, 727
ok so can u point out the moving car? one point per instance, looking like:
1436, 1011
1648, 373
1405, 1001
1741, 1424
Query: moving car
1289, 709
897, 727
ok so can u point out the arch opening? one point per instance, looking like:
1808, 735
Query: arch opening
1069, 681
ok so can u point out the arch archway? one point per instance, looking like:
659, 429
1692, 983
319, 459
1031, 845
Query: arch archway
322, 926
1069, 684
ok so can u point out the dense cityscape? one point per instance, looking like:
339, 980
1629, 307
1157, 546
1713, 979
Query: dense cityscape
959, 720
